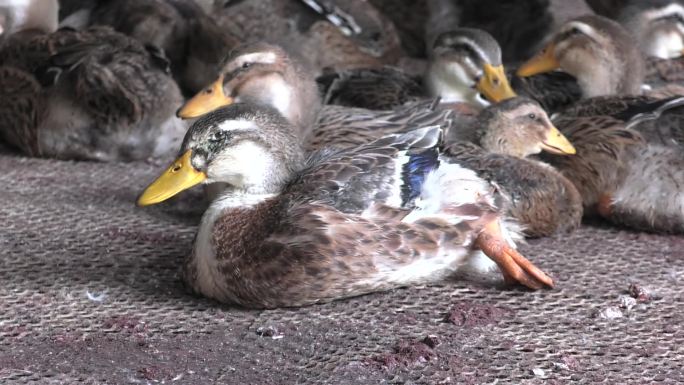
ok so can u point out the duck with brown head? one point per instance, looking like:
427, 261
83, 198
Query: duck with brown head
293, 232
598, 52
497, 146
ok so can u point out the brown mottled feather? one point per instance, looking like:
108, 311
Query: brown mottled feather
542, 200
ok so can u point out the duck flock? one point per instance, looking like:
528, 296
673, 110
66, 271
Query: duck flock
349, 147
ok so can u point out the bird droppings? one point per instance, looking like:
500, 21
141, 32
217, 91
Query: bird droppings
407, 353
610, 313
539, 372
96, 297
643, 294
627, 302
269, 331
472, 314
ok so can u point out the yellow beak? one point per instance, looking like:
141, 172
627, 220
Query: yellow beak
494, 84
545, 61
178, 177
207, 100
557, 143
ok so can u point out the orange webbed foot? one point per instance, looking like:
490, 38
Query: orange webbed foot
514, 267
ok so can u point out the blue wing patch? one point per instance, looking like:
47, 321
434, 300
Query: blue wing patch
414, 172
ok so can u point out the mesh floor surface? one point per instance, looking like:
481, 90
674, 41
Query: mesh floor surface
90, 294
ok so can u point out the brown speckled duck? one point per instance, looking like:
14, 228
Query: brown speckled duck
658, 27
294, 231
497, 144
629, 159
194, 43
625, 176
598, 52
92, 94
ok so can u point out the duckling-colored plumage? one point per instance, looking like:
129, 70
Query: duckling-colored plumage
497, 144
92, 94
343, 223
629, 165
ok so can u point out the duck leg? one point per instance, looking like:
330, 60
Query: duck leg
604, 205
514, 267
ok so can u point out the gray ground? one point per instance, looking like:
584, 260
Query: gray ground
90, 294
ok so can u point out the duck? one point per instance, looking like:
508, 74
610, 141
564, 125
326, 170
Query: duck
464, 66
191, 39
296, 230
272, 75
517, 26
499, 144
87, 95
627, 166
628, 169
596, 51
658, 27
304, 27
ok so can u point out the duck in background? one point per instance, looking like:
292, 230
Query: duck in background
628, 166
92, 94
658, 26
192, 40
267, 75
294, 231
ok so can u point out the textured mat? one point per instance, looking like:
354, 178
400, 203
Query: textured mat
90, 294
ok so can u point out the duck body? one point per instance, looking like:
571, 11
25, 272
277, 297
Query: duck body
194, 43
626, 177
541, 199
296, 230
92, 94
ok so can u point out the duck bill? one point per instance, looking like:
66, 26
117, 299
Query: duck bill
556, 143
207, 100
178, 177
494, 84
545, 61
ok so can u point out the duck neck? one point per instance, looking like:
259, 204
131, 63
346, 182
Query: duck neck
450, 83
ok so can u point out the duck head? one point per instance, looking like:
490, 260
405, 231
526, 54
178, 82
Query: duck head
520, 127
658, 26
598, 52
23, 15
465, 66
250, 147
262, 74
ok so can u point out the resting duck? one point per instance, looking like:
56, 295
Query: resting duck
598, 52
497, 146
628, 168
658, 26
297, 26
464, 67
191, 39
93, 94
294, 231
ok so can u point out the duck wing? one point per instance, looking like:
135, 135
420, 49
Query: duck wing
345, 127
372, 88
555, 91
22, 108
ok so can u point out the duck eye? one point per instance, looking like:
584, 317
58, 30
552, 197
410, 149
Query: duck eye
532, 116
246, 64
216, 137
